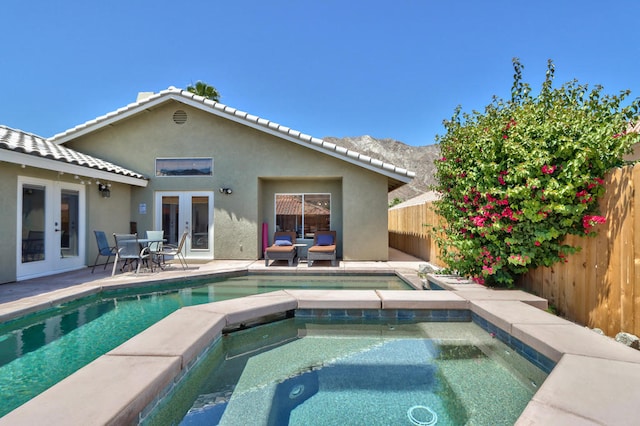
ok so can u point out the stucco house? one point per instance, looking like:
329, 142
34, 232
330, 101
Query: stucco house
179, 162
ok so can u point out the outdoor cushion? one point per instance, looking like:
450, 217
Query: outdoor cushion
280, 249
322, 249
324, 240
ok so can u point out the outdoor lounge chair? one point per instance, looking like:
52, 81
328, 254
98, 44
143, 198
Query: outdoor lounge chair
323, 248
128, 249
103, 249
282, 248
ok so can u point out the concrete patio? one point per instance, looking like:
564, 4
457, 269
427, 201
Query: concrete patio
596, 380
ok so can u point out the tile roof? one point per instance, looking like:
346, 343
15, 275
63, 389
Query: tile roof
397, 176
19, 141
426, 197
292, 205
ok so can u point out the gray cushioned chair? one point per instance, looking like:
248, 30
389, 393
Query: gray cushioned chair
323, 248
282, 248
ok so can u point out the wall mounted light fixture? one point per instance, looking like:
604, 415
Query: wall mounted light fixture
227, 191
104, 190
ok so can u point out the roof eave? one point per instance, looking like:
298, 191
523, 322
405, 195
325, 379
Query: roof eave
36, 161
394, 184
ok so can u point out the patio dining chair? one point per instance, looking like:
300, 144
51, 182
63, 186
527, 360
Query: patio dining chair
103, 249
155, 247
33, 246
128, 249
176, 251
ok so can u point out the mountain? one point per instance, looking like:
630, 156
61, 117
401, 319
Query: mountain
418, 159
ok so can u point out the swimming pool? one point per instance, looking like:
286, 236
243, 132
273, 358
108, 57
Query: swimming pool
41, 349
308, 371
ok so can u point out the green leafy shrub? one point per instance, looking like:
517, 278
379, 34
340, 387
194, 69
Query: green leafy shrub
519, 177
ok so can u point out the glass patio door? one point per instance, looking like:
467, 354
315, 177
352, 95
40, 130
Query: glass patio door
177, 212
50, 237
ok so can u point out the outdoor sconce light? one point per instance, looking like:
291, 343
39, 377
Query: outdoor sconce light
227, 191
104, 190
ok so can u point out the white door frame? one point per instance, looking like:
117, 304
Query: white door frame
184, 221
54, 259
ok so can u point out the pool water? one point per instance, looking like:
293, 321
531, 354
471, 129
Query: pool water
38, 351
302, 372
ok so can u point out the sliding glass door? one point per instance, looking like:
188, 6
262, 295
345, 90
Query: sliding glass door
303, 213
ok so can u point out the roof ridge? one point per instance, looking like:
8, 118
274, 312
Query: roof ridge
252, 120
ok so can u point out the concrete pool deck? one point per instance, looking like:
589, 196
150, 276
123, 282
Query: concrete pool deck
596, 380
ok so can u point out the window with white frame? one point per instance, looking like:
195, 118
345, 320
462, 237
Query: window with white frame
184, 166
303, 213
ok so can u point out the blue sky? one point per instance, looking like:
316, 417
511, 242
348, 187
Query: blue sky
389, 69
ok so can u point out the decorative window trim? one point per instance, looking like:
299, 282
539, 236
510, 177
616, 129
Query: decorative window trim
184, 167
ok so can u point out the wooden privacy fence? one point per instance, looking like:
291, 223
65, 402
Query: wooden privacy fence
597, 287
600, 285
410, 231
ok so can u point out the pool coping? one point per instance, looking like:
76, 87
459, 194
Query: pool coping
47, 300
595, 380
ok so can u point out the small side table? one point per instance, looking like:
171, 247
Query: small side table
297, 246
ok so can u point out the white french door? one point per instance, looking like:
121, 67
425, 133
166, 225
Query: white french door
51, 227
177, 212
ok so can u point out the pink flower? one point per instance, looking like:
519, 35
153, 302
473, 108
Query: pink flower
487, 269
478, 280
507, 212
478, 221
583, 195
510, 124
588, 221
537, 243
548, 170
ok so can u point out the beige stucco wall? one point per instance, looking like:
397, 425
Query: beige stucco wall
365, 216
110, 215
255, 165
8, 224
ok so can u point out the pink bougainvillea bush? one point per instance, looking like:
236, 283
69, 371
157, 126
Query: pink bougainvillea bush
518, 177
